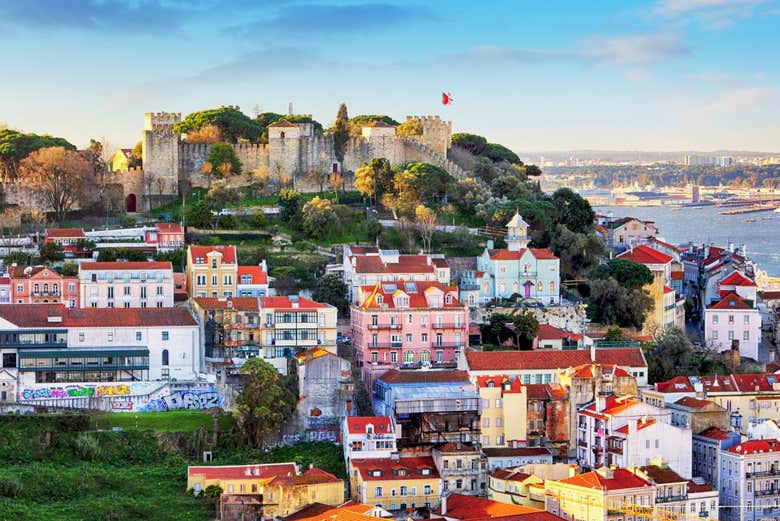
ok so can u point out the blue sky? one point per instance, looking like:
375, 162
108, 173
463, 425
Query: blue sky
536, 76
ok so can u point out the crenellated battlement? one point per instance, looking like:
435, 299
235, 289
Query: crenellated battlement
161, 121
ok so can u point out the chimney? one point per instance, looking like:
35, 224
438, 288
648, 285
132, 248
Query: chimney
593, 352
443, 504
601, 402
572, 470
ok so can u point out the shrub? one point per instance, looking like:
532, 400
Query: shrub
86, 447
11, 487
228, 222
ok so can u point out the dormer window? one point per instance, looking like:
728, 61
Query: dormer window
400, 472
379, 299
448, 299
376, 473
425, 471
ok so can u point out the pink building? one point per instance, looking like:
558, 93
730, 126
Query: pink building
42, 285
68, 239
166, 236
407, 324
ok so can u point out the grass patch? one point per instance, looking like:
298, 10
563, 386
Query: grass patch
172, 421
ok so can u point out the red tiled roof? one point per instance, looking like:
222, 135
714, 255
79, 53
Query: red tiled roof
548, 332
641, 423
613, 405
155, 265
527, 360
753, 382
457, 447
678, 275
362, 250
405, 264
662, 243
322, 512
238, 303
395, 376
693, 403
313, 476
228, 252
390, 468
65, 233
417, 298
737, 279
18, 272
38, 315
286, 304
589, 371
357, 424
508, 452
678, 384
499, 381
645, 255
502, 255
5, 280
694, 487
440, 263
467, 508
257, 273
662, 475
718, 383
543, 254
715, 433
756, 446
621, 479
510, 475
240, 471
169, 228
730, 301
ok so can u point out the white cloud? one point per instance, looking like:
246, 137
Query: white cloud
713, 13
740, 100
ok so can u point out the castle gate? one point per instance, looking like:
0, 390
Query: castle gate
130, 203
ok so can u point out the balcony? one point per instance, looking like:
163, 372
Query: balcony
671, 499
768, 492
582, 443
385, 326
447, 325
611, 512
46, 293
704, 513
386, 345
447, 344
762, 473
582, 426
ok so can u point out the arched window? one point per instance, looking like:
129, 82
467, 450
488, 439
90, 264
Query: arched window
281, 135
552, 287
165, 357
408, 357
539, 286
425, 356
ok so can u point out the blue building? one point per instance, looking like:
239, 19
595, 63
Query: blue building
749, 489
516, 271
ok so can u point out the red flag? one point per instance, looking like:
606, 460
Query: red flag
446, 98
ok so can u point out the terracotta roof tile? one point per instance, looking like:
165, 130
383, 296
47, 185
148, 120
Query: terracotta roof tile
381, 424
543, 254
406, 264
390, 468
286, 303
756, 447
237, 303
417, 298
731, 301
519, 452
463, 507
228, 252
621, 479
256, 272
65, 233
528, 360
396, 376
645, 255
38, 315
737, 279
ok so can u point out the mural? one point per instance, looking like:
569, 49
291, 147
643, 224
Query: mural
125, 397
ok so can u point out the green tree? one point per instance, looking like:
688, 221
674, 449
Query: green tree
362, 119
671, 356
627, 273
198, 215
51, 252
613, 334
573, 210
15, 146
264, 404
341, 128
69, 269
526, 328
290, 206
20, 258
579, 253
614, 304
418, 183
319, 217
473, 143
512, 186
94, 155
223, 153
332, 290
410, 128
232, 123
498, 153
533, 170
177, 258
495, 331
375, 178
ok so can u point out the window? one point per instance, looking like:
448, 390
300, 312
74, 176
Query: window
165, 335
425, 356
374, 357
159, 290
714, 335
165, 357
81, 337
539, 287
500, 440
143, 291
227, 280
746, 335
408, 338
408, 357
214, 280
377, 491
746, 320
201, 280
110, 336
424, 337
714, 318
138, 336
409, 318
731, 335
486, 422
394, 357
126, 291
427, 490
214, 263
499, 422
552, 287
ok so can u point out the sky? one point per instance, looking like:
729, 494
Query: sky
532, 75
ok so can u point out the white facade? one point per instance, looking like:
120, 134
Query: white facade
721, 326
368, 437
126, 284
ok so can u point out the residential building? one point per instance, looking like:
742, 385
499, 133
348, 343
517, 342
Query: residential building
121, 160
368, 265
429, 406
5, 290
212, 271
509, 457
504, 408
166, 236
705, 266
605, 493
70, 239
396, 484
708, 445
162, 237
765, 430
462, 467
509, 485
125, 284
550, 337
733, 321
627, 232
677, 497
460, 507
368, 437
325, 391
349, 511
283, 487
252, 281
47, 343
407, 324
664, 313
540, 367
585, 382
274, 328
514, 272
749, 481
625, 432
698, 415
548, 415
42, 285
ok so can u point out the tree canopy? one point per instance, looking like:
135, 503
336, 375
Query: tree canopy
627, 273
573, 210
479, 146
15, 146
614, 304
341, 132
232, 123
362, 119
221, 154
672, 355
266, 119
332, 290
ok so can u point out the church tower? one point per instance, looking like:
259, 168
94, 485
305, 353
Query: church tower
517, 233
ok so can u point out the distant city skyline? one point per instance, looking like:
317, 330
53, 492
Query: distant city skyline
638, 75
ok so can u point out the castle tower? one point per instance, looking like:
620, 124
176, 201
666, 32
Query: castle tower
160, 153
437, 133
517, 233
284, 149
381, 139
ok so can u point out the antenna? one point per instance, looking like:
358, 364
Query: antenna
290, 109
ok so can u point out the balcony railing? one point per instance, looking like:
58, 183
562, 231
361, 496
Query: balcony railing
447, 325
768, 492
761, 473
704, 513
670, 499
384, 326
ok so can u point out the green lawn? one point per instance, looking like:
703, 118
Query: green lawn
173, 421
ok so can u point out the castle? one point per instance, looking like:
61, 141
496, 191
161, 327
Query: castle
294, 149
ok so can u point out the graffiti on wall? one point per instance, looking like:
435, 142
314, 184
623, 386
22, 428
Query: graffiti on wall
75, 391
184, 399
310, 435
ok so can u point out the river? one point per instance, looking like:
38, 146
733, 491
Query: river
759, 231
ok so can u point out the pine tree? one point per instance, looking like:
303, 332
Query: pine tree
341, 132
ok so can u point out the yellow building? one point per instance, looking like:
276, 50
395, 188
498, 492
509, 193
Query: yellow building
284, 488
514, 487
601, 495
121, 160
212, 271
504, 410
396, 484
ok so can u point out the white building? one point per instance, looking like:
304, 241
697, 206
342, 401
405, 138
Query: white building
732, 319
626, 432
365, 437
48, 343
677, 497
126, 284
